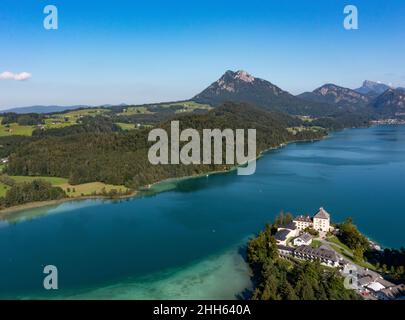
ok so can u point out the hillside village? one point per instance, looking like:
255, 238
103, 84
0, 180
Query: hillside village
306, 238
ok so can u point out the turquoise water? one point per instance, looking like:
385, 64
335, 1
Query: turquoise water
186, 242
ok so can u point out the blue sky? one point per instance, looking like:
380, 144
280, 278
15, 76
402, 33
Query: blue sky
149, 51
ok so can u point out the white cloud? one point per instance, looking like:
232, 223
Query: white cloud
7, 75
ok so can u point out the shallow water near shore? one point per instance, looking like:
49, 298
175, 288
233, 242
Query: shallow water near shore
185, 242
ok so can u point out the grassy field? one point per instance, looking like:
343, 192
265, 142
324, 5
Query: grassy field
80, 190
135, 110
335, 240
91, 188
58, 120
187, 106
126, 126
316, 243
3, 189
16, 130
61, 120
344, 250
53, 180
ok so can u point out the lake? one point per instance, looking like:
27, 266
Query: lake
186, 242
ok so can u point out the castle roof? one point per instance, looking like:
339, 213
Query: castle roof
305, 237
303, 218
290, 226
322, 214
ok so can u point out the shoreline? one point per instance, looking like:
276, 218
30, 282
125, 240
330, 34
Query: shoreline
7, 213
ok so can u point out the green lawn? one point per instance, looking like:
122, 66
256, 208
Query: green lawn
87, 189
16, 130
53, 180
316, 243
135, 110
343, 249
84, 189
187, 106
125, 126
3, 189
335, 240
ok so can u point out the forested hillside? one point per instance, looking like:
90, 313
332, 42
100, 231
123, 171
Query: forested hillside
121, 157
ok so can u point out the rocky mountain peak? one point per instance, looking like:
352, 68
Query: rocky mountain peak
373, 88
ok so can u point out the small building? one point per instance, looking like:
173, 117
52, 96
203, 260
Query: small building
286, 231
303, 240
285, 251
282, 236
323, 255
303, 222
322, 220
375, 287
392, 293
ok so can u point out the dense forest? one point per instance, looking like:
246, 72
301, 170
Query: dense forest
278, 279
99, 151
343, 120
351, 237
390, 262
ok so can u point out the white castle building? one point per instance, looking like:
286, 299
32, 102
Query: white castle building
320, 222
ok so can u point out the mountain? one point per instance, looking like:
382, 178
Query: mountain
391, 102
241, 87
51, 109
372, 88
43, 109
343, 98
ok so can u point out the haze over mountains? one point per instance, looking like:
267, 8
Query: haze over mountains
329, 99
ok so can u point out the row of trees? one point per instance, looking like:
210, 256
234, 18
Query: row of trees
352, 237
37, 190
389, 261
27, 119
